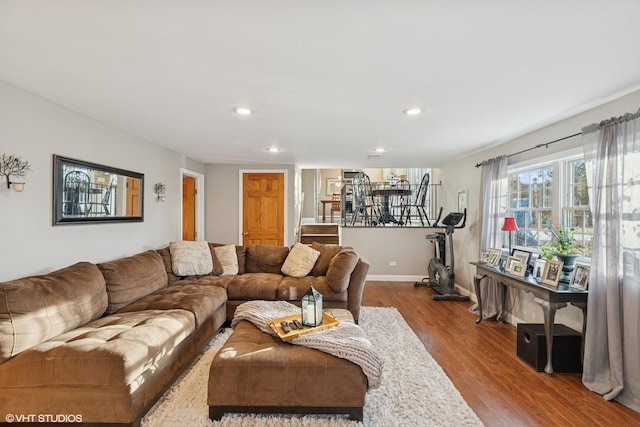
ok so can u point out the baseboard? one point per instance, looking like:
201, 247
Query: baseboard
466, 292
389, 278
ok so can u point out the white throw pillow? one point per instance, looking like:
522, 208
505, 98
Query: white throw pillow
190, 258
300, 261
228, 259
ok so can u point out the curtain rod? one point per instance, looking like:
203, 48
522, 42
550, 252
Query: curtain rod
545, 145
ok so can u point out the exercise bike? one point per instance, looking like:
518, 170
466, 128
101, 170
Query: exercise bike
442, 277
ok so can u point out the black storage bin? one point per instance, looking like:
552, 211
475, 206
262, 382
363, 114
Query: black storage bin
532, 347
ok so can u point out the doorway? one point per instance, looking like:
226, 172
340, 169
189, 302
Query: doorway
192, 212
263, 207
133, 197
189, 193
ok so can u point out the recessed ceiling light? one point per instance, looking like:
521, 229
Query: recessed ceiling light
243, 111
273, 149
412, 111
379, 150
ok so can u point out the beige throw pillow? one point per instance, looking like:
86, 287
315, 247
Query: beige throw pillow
300, 261
228, 259
190, 258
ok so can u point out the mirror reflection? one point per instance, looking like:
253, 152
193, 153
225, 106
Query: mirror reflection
88, 192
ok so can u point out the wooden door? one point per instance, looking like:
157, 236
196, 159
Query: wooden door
263, 208
189, 208
133, 197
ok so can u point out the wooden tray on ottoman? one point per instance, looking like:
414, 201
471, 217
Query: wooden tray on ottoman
328, 321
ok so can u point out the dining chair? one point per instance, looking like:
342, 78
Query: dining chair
400, 202
76, 200
419, 203
364, 204
336, 205
106, 199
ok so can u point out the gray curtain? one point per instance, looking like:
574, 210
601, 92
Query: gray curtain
493, 191
612, 344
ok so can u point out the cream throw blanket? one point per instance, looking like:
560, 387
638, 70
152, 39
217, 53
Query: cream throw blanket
346, 340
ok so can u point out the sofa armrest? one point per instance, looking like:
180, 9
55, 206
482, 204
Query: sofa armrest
356, 287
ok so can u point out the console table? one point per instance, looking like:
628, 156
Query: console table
553, 299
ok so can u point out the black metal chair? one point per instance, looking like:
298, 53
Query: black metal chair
400, 202
419, 204
364, 204
76, 200
106, 199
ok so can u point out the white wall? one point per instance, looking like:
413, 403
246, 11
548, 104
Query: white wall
407, 247
308, 178
462, 175
35, 129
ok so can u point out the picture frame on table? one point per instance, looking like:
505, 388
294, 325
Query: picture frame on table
580, 276
538, 268
484, 257
551, 273
494, 256
515, 266
525, 256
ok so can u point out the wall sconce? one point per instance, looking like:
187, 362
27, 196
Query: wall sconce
12, 165
160, 189
17, 186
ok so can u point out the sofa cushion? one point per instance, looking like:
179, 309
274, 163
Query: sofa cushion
165, 253
340, 268
129, 279
217, 281
241, 254
34, 309
251, 286
113, 350
300, 261
293, 289
326, 253
189, 258
265, 258
217, 267
188, 295
228, 259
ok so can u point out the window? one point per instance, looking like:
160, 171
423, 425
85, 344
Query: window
576, 211
554, 191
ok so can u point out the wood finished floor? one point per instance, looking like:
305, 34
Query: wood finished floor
481, 361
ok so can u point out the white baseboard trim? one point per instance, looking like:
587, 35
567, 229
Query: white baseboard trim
398, 278
463, 291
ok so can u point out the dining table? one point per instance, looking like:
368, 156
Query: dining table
386, 194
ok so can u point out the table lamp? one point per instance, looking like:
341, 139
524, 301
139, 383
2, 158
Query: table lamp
510, 225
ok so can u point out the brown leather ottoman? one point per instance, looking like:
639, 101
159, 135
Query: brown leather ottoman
256, 372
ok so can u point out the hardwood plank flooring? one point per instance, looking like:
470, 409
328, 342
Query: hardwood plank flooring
481, 361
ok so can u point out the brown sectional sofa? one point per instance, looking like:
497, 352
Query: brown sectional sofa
99, 343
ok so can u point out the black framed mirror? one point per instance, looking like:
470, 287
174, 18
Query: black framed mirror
86, 193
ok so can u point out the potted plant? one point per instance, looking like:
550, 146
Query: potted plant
564, 247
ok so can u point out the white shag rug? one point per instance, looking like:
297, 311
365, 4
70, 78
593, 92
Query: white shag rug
415, 391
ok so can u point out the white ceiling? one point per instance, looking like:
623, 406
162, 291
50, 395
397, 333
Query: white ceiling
328, 79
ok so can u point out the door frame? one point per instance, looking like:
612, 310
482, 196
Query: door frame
241, 173
199, 202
